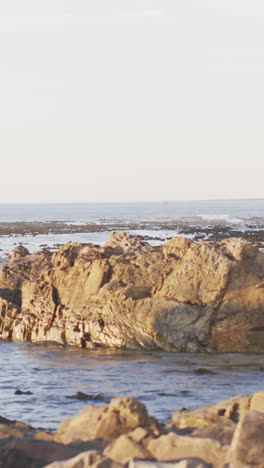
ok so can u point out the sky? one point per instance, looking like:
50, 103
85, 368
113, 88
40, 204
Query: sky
131, 100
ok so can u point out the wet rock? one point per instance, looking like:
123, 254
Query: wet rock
20, 392
86, 396
202, 371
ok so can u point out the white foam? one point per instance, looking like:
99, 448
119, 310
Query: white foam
220, 217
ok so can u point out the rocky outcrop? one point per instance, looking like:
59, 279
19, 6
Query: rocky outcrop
182, 296
122, 416
124, 435
19, 252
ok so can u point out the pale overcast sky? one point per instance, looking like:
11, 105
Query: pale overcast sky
129, 100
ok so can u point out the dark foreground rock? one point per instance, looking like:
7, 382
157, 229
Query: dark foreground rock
183, 296
227, 435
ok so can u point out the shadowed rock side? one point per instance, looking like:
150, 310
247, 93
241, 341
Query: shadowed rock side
182, 296
122, 434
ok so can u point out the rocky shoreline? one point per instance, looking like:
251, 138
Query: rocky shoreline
123, 434
181, 296
197, 229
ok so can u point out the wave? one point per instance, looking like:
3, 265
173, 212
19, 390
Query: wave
221, 217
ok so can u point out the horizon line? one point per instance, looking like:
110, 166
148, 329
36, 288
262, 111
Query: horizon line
131, 201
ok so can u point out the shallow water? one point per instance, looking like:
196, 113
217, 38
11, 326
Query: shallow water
165, 382
53, 241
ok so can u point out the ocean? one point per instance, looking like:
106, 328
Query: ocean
231, 211
165, 382
39, 225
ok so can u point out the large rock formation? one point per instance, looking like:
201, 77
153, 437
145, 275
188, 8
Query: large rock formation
123, 435
182, 296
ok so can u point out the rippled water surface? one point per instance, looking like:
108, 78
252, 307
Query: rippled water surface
165, 382
232, 210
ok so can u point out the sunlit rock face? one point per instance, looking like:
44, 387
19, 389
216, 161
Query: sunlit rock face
182, 296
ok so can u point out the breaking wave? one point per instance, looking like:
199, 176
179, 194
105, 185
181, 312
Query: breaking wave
221, 217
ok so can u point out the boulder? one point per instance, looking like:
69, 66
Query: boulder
172, 447
221, 416
123, 243
17, 452
123, 434
183, 296
106, 422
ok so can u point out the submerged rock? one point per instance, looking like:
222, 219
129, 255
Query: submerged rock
86, 396
182, 296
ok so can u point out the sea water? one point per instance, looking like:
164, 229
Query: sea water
165, 382
240, 215
233, 211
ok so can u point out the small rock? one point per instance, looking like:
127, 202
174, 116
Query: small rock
86, 396
19, 252
20, 392
203, 370
125, 242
